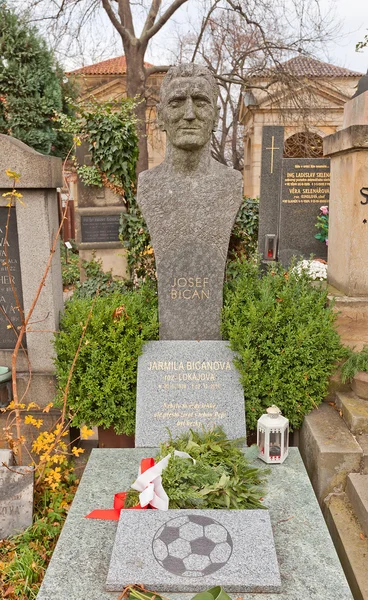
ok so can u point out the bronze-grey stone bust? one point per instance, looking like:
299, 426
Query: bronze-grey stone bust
190, 203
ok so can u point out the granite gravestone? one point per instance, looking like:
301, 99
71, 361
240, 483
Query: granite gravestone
190, 203
10, 277
184, 385
190, 551
269, 209
16, 500
33, 226
292, 192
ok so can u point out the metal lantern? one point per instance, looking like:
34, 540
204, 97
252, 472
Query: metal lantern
273, 436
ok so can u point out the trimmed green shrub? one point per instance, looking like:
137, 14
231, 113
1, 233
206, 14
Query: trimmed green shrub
282, 330
103, 386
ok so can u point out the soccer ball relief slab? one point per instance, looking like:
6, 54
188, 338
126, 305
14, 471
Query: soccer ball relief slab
192, 550
185, 385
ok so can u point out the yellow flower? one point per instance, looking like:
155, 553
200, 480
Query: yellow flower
47, 408
12, 174
32, 405
85, 432
29, 420
77, 451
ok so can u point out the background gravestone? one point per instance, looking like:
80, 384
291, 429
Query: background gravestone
271, 170
16, 500
32, 231
97, 220
187, 385
305, 187
292, 192
348, 226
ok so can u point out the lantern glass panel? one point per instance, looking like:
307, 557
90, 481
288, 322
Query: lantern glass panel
286, 439
275, 444
261, 441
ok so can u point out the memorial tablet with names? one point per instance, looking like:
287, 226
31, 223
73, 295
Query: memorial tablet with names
187, 385
100, 228
305, 188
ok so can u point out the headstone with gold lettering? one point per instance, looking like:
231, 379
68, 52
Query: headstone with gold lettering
292, 193
187, 385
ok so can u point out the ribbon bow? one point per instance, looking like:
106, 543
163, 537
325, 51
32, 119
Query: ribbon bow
149, 483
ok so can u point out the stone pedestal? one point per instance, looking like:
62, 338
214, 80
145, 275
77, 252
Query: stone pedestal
348, 225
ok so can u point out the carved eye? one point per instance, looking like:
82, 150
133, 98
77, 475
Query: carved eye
175, 103
200, 103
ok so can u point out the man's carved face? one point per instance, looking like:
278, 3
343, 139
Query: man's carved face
187, 113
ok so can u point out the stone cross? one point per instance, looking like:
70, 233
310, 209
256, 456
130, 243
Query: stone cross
190, 203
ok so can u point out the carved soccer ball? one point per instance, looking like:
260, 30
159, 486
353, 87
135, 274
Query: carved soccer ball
192, 546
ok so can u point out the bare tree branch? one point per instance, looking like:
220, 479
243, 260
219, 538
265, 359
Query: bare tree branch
162, 20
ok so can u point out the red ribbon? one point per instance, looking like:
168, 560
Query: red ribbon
113, 514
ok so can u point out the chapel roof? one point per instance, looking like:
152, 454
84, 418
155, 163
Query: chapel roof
304, 66
111, 66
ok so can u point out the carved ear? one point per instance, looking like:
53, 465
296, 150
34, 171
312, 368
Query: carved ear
160, 121
217, 117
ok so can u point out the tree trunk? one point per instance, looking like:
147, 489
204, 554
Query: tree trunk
136, 87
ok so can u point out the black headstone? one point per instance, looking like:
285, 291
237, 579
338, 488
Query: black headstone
292, 192
9, 313
269, 209
305, 188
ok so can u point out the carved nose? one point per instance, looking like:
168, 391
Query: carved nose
189, 113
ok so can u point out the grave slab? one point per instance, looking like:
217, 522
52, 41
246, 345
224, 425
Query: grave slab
188, 551
16, 500
184, 385
309, 566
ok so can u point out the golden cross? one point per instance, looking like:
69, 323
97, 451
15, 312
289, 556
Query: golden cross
273, 148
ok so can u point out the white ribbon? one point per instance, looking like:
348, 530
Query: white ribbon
150, 485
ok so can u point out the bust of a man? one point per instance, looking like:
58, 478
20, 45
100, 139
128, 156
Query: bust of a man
189, 202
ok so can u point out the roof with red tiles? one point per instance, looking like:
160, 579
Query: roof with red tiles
111, 66
304, 66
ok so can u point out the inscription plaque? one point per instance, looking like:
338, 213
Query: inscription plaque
100, 228
305, 188
8, 309
184, 385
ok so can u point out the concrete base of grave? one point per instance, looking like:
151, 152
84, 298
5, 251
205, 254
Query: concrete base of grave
309, 566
